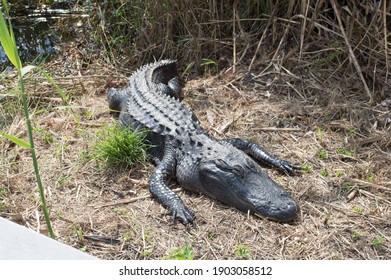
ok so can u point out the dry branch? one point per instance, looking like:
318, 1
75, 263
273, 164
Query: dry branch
352, 56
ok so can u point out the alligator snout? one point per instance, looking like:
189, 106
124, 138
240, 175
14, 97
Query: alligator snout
284, 212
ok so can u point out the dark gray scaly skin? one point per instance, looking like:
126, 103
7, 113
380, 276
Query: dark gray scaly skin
224, 169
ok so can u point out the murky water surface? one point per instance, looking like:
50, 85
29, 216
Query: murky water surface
41, 31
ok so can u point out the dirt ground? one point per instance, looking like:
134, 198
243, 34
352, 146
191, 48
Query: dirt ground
344, 191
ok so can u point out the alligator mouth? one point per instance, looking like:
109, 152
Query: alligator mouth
278, 220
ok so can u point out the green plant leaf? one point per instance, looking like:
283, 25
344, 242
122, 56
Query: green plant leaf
27, 69
10, 94
8, 43
16, 140
50, 79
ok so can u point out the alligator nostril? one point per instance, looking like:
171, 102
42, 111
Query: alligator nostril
288, 211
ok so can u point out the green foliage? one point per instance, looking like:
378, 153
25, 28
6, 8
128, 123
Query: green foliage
358, 210
351, 132
347, 186
186, 253
357, 234
377, 241
370, 178
243, 252
332, 56
279, 180
327, 217
16, 140
323, 154
119, 146
306, 168
3, 205
148, 251
9, 107
207, 63
61, 180
345, 152
320, 133
324, 172
7, 40
3, 191
44, 135
79, 232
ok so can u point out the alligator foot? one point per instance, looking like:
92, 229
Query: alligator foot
285, 166
183, 213
159, 189
262, 155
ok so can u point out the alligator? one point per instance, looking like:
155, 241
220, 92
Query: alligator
227, 170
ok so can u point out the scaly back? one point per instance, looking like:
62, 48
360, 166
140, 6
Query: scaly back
149, 103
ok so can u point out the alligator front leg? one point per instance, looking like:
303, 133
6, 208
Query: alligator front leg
164, 195
262, 155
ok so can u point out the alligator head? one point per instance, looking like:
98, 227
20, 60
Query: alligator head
236, 179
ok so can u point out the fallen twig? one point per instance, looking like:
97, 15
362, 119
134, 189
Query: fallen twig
366, 184
278, 129
128, 200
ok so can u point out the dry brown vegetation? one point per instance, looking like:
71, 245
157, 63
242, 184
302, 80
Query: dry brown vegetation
314, 89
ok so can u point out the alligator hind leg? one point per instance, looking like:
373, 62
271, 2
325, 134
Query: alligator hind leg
164, 195
172, 88
262, 155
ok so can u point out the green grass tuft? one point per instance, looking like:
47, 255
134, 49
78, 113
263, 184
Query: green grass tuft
377, 241
306, 168
119, 146
345, 152
323, 154
357, 234
243, 252
186, 253
324, 172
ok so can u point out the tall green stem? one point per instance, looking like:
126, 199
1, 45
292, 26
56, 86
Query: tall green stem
33, 155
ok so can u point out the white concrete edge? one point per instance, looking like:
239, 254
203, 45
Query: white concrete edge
20, 243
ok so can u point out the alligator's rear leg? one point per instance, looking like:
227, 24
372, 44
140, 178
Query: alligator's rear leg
172, 88
262, 155
159, 189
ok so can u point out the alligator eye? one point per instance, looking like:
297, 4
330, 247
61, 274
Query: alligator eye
238, 170
222, 164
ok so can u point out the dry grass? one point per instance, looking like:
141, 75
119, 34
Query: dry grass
344, 40
337, 221
296, 91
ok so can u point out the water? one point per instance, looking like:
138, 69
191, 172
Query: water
40, 33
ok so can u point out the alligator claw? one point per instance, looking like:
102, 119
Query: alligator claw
287, 167
184, 214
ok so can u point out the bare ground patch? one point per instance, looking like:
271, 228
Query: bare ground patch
344, 194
